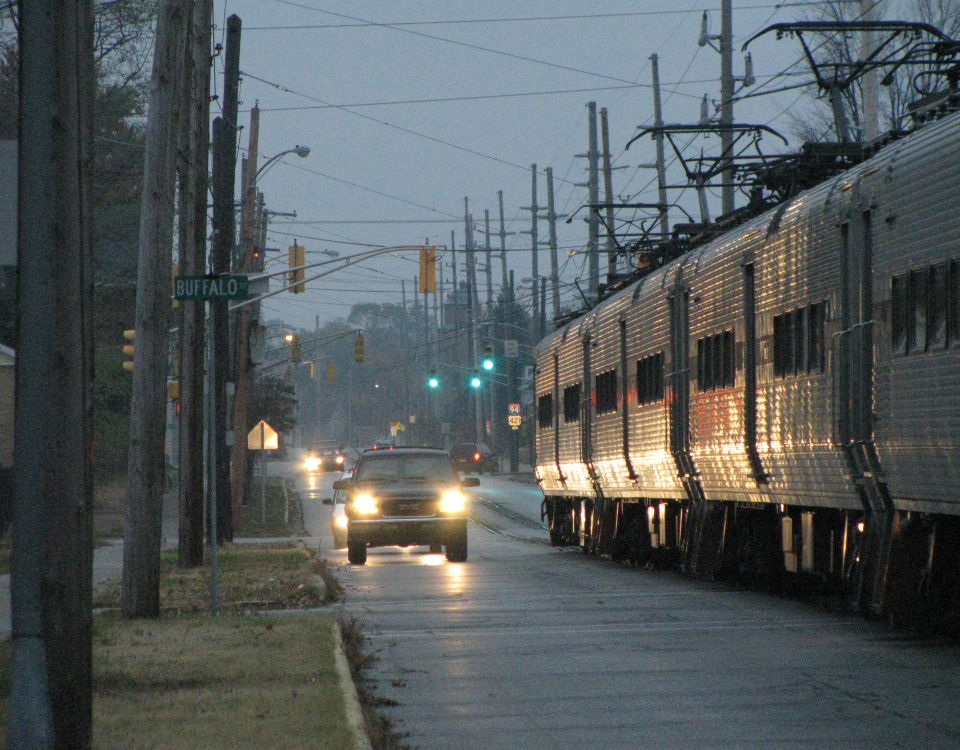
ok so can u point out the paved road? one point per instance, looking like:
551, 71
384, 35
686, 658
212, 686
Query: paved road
527, 646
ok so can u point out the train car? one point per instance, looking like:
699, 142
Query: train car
781, 403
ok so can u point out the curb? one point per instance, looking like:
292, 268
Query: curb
354, 714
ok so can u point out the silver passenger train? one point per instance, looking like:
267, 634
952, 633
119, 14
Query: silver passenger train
781, 404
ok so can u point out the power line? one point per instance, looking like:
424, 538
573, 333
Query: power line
518, 19
409, 131
512, 55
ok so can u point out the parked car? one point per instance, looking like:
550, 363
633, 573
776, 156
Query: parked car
475, 457
406, 497
338, 515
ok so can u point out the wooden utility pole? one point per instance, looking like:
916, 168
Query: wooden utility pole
534, 209
554, 262
245, 317
661, 160
488, 254
504, 278
608, 195
224, 175
50, 703
593, 198
140, 594
726, 104
194, 139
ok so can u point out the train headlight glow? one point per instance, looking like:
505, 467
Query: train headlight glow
453, 501
365, 505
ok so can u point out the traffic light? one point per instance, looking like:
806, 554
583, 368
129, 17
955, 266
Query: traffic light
487, 363
358, 348
296, 354
297, 257
256, 259
128, 335
474, 380
428, 269
433, 380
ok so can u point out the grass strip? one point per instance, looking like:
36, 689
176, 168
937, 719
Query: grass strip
217, 682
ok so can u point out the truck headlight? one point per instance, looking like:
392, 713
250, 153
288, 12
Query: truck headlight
453, 501
365, 505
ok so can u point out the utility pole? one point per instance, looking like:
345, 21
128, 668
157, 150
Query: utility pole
608, 196
868, 13
471, 254
726, 103
554, 262
504, 280
661, 160
194, 138
140, 593
489, 256
534, 249
224, 176
245, 318
50, 703
593, 199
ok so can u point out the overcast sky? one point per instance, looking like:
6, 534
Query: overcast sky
458, 98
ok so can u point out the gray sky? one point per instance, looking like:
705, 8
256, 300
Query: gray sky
388, 167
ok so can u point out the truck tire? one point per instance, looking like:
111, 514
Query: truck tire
457, 550
356, 553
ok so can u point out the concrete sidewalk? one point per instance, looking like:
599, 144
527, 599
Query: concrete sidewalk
107, 560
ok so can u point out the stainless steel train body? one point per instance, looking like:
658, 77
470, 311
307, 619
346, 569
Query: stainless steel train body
784, 401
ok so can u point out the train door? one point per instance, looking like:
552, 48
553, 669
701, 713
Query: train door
678, 385
625, 399
750, 372
853, 406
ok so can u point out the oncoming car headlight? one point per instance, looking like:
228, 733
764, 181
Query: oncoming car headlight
340, 522
339, 460
365, 504
311, 463
453, 501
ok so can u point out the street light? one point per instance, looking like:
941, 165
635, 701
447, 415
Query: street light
302, 151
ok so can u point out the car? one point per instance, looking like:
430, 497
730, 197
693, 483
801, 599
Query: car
338, 516
406, 496
325, 456
475, 457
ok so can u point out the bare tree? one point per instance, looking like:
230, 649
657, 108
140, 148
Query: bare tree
844, 49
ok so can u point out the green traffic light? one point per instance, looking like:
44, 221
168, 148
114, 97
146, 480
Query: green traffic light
433, 381
475, 381
487, 363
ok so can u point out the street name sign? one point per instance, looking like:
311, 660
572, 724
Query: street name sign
224, 286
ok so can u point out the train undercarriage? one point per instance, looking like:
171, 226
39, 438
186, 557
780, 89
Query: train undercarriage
909, 573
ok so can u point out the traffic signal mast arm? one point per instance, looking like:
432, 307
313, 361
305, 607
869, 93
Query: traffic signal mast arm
342, 263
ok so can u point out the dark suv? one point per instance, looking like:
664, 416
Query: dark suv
406, 496
474, 457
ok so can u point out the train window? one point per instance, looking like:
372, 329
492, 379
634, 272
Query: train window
798, 347
918, 296
715, 361
727, 359
545, 410
953, 304
571, 403
937, 312
815, 358
899, 322
606, 385
650, 379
